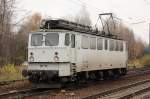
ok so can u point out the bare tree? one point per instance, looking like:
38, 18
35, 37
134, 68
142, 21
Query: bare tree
83, 16
20, 40
135, 47
32, 24
6, 13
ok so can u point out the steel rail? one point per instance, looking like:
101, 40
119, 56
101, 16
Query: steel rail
108, 92
36, 91
10, 82
24, 93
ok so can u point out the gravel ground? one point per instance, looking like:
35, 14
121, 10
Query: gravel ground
15, 86
143, 96
77, 93
93, 88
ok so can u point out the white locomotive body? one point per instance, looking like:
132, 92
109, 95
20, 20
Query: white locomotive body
68, 55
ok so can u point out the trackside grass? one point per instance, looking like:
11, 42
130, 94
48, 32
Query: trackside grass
10, 72
141, 62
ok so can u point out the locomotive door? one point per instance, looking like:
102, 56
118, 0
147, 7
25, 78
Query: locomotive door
73, 48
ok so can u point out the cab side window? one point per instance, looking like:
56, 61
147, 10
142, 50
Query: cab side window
85, 42
67, 39
99, 44
93, 43
121, 46
106, 44
111, 45
117, 46
72, 41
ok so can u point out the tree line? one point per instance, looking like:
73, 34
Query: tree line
13, 45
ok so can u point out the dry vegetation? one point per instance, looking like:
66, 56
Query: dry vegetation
144, 61
11, 72
13, 45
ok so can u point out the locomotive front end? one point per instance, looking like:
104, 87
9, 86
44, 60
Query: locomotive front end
48, 58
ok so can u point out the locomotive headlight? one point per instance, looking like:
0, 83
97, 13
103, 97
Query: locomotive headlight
56, 58
31, 58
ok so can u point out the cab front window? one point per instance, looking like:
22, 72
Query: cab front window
52, 39
36, 39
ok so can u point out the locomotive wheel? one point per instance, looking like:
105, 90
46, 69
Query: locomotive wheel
116, 74
123, 71
106, 74
100, 75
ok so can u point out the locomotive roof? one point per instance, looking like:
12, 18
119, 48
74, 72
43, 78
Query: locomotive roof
69, 31
62, 25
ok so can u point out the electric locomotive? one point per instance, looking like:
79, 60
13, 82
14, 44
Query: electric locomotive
63, 51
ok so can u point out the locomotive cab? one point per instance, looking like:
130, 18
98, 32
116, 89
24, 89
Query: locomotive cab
50, 54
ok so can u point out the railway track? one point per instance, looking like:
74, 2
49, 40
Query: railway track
2, 83
137, 72
37, 91
15, 94
124, 92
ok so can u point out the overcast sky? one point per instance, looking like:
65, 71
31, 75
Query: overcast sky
130, 11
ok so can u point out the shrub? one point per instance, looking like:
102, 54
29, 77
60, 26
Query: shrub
10, 68
10, 72
145, 60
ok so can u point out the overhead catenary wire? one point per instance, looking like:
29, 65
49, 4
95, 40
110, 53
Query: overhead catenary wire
87, 5
147, 2
139, 22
